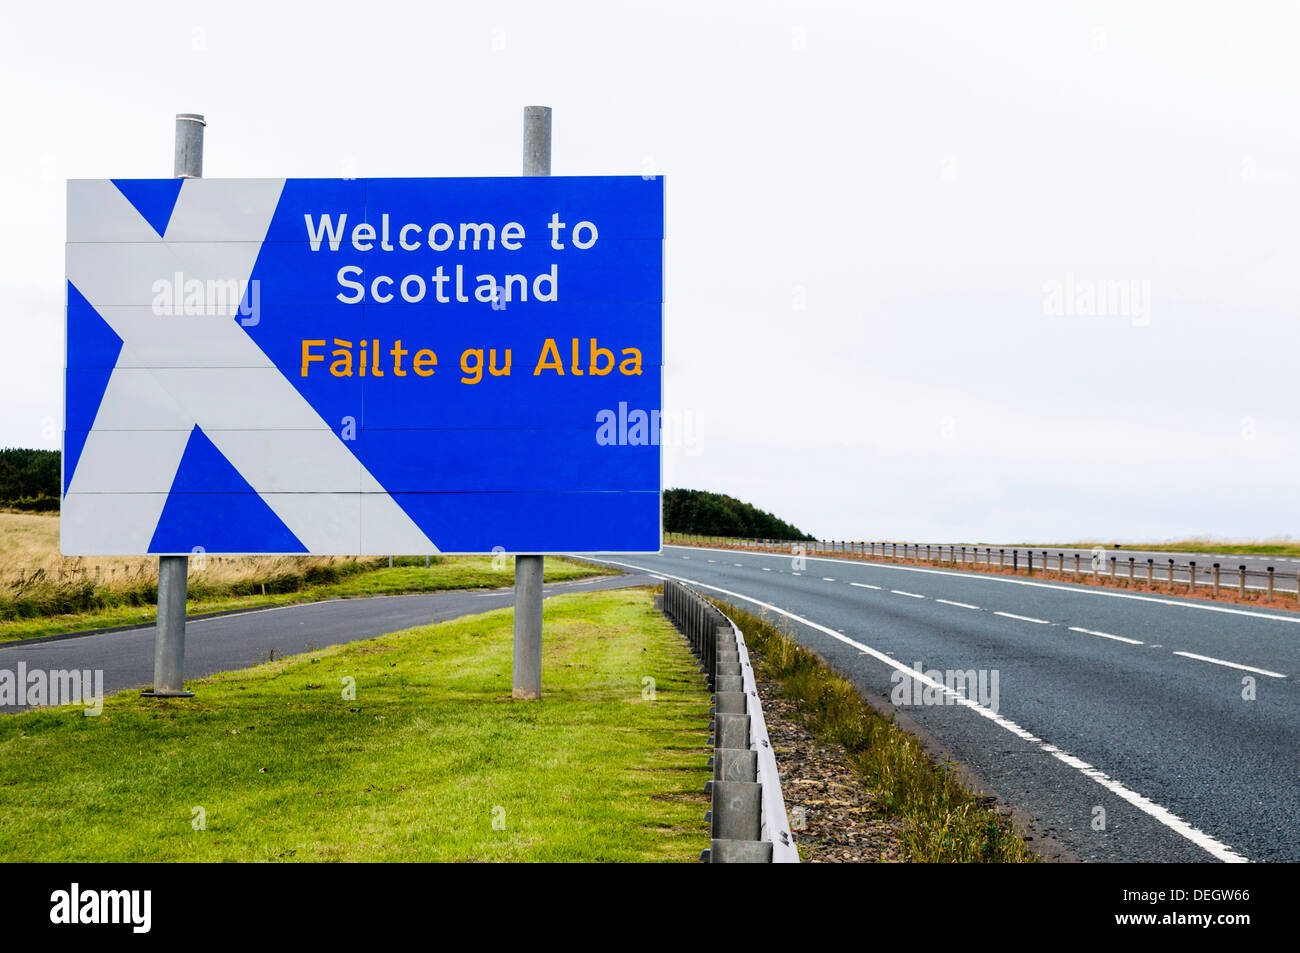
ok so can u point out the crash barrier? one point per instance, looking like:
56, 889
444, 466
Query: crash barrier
747, 816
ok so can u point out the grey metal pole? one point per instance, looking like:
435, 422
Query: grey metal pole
173, 571
527, 679
188, 157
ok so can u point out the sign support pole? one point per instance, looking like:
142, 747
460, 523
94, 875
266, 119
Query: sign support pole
173, 571
527, 683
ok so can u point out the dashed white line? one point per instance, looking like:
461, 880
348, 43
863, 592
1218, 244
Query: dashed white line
766, 569
1086, 590
1106, 635
1219, 661
900, 592
864, 585
960, 605
1023, 618
827, 579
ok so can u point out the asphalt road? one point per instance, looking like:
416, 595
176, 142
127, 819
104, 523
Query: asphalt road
237, 641
1096, 707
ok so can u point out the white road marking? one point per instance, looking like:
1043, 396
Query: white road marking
1219, 661
1210, 845
1105, 635
766, 569
1022, 618
1097, 591
864, 585
796, 573
827, 579
738, 564
900, 592
961, 605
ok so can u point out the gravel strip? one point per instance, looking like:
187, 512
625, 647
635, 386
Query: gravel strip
833, 817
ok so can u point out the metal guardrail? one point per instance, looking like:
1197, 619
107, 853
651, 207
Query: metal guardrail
1098, 564
747, 816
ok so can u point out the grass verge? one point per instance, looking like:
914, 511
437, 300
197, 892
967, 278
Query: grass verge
942, 820
432, 760
1274, 547
38, 610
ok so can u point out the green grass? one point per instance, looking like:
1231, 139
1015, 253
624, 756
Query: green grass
407, 575
432, 750
942, 819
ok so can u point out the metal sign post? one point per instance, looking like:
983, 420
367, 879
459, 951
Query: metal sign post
173, 571
530, 570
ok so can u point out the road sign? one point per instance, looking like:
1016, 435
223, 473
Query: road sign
364, 366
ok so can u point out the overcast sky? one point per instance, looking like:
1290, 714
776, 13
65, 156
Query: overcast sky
884, 221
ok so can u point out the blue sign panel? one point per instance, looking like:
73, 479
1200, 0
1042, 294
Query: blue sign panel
363, 366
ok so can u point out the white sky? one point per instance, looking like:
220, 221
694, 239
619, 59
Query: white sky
913, 174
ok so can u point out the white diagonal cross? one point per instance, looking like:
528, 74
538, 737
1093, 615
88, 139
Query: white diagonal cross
176, 372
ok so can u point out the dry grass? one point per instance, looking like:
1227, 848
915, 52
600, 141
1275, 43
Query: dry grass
29, 547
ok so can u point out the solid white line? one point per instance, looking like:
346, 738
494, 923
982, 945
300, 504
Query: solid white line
864, 585
900, 592
1106, 635
1215, 848
1022, 618
1081, 589
1219, 661
962, 605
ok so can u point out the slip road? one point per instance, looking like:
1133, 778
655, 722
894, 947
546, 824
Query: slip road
237, 641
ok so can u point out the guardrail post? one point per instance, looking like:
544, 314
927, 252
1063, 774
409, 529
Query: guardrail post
1216, 579
1131, 561
1241, 584
1171, 575
1270, 583
1191, 575
1151, 572
1060, 563
1076, 564
1112, 567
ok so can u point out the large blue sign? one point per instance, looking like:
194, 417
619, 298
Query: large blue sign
363, 366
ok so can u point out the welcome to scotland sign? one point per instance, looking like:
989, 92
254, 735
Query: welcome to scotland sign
365, 366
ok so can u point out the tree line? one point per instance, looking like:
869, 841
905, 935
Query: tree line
29, 479
715, 514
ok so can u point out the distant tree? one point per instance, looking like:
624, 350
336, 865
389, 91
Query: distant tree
29, 475
715, 514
